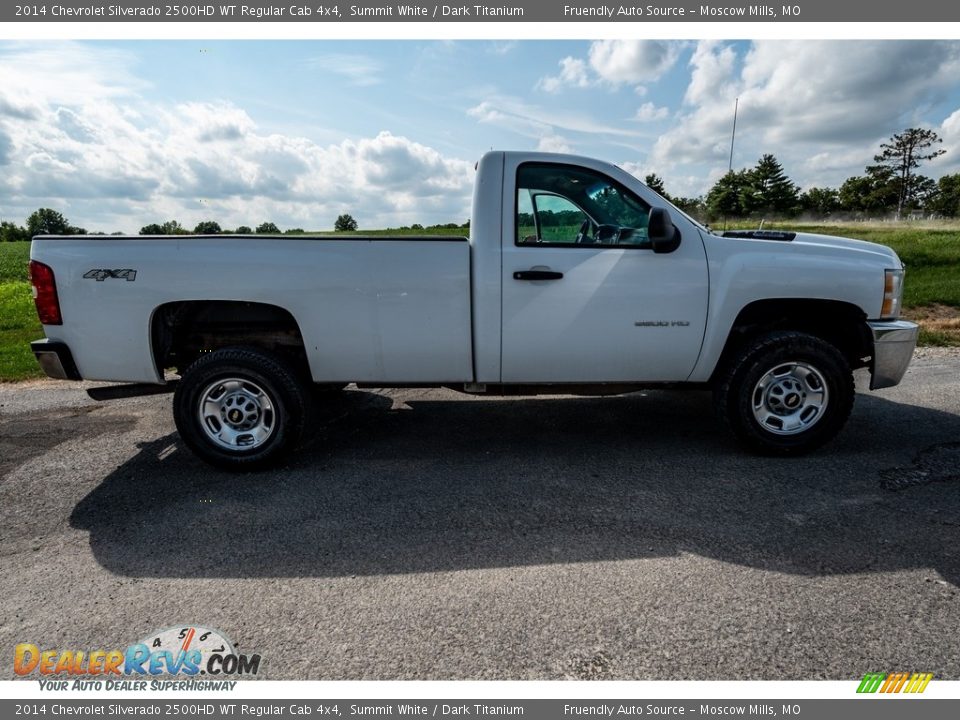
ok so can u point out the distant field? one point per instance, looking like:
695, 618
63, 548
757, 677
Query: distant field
931, 252
18, 318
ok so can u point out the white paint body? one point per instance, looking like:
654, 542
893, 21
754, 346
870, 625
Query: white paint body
427, 311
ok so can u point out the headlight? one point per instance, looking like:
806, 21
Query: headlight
892, 294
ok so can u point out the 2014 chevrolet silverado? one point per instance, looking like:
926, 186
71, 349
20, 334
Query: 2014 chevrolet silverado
576, 278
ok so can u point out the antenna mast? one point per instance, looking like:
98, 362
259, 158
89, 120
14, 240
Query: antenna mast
733, 135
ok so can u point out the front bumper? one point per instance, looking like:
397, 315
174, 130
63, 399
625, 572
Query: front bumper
893, 344
55, 359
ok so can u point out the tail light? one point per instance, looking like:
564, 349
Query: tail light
45, 293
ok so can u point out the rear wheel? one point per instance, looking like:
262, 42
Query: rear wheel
786, 393
240, 408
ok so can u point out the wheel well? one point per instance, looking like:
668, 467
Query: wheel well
183, 331
839, 323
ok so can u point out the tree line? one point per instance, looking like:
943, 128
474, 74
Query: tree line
889, 187
41, 222
47, 221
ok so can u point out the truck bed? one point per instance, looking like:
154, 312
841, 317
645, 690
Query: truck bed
370, 309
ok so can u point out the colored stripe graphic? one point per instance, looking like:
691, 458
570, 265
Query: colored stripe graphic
871, 682
919, 682
891, 682
894, 682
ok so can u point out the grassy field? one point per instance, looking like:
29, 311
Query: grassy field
18, 318
931, 295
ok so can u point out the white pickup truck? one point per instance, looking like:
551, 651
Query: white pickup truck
576, 278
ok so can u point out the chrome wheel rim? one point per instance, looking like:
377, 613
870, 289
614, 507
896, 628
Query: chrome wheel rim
790, 398
236, 414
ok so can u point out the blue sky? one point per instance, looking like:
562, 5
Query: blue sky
120, 134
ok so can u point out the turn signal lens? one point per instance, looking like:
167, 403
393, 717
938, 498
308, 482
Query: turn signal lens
892, 294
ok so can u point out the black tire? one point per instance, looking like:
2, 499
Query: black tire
785, 393
241, 409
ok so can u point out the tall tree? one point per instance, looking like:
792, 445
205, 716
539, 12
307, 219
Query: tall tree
902, 154
820, 201
50, 222
873, 193
946, 202
655, 183
725, 198
266, 228
769, 188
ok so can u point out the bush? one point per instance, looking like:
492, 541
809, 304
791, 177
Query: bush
11, 232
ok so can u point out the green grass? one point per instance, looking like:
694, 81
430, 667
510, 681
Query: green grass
937, 338
14, 258
932, 256
18, 318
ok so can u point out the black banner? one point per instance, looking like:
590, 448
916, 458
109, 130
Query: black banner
314, 11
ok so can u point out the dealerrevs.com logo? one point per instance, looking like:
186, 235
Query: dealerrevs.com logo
186, 651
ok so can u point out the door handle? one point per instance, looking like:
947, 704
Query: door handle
537, 275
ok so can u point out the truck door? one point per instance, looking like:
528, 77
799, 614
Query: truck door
585, 298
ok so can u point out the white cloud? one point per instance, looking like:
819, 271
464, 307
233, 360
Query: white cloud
554, 143
648, 112
573, 72
712, 76
110, 159
822, 107
82, 72
949, 132
533, 120
615, 62
503, 47
632, 61
544, 126
356, 69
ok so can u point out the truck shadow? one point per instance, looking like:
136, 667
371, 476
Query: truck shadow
24, 437
441, 485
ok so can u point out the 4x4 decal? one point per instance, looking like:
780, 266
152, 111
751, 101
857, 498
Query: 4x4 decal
101, 275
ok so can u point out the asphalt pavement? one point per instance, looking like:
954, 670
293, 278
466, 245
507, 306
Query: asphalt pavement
433, 535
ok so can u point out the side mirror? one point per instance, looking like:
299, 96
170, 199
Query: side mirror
663, 234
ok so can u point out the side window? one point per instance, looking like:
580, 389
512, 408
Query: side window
558, 219
526, 225
565, 205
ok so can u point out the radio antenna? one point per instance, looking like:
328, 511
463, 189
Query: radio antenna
733, 135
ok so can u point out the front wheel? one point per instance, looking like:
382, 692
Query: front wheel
240, 408
786, 393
